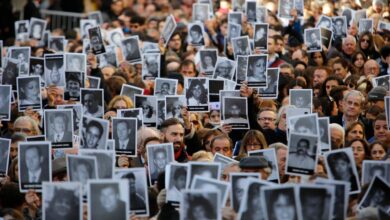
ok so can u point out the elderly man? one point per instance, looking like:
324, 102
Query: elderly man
348, 48
337, 134
371, 69
27, 126
320, 74
256, 164
266, 119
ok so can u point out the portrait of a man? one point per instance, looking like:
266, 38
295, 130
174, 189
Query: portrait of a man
124, 135
59, 127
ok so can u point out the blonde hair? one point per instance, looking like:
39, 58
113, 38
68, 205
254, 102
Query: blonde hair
127, 100
202, 156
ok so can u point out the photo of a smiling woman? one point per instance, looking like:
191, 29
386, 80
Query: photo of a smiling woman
29, 92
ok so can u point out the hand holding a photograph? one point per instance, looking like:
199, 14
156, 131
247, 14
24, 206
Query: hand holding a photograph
228, 213
186, 117
245, 91
123, 161
32, 201
91, 58
226, 128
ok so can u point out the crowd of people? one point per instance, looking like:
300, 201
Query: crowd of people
300, 133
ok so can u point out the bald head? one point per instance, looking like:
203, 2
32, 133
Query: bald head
349, 45
371, 67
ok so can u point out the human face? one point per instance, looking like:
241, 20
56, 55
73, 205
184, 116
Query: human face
33, 159
55, 75
93, 137
90, 102
37, 30
180, 182
194, 34
222, 146
313, 37
318, 59
235, 111
330, 85
355, 133
62, 206
160, 160
267, 120
279, 46
313, 206
371, 67
349, 47
336, 137
95, 42
365, 42
38, 70
319, 76
215, 117
300, 102
120, 104
75, 63
122, 131
208, 61
188, 71
281, 155
358, 152
175, 43
199, 212
165, 89
252, 145
74, 87
352, 106
380, 130
340, 71
197, 92
82, 173
239, 188
283, 209
152, 66
109, 199
377, 152
259, 66
223, 70
31, 90
25, 127
302, 147
175, 134
59, 124
341, 167
359, 62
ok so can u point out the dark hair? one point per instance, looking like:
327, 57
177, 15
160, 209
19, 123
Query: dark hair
180, 171
332, 158
352, 125
304, 122
96, 125
313, 63
196, 28
364, 143
83, 162
129, 176
198, 200
221, 137
380, 117
304, 140
10, 196
72, 76
342, 62
59, 114
101, 187
274, 195
193, 84
169, 122
384, 146
159, 150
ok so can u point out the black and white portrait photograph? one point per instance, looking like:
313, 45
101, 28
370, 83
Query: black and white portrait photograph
22, 54
55, 70
105, 160
29, 92
150, 47
206, 183
57, 43
203, 169
174, 105
227, 93
324, 22
197, 94
372, 168
339, 25
138, 189
238, 184
250, 9
349, 15
235, 112
256, 74
260, 37
10, 72
235, 17
383, 81
302, 154
341, 196
366, 25
96, 16
341, 165
164, 87
109, 58
200, 12
241, 46
108, 199
132, 113
5, 147
270, 156
280, 202
160, 112
36, 67
238, 5
306, 124
34, 165
77, 110
251, 204
224, 68
59, 127
62, 201
261, 14
21, 29
223, 160
196, 34
313, 40
86, 46
383, 26
234, 30
200, 204
75, 62
242, 63
93, 103
284, 9
94, 133
5, 102
149, 109
301, 98
272, 89
124, 132
359, 15
74, 82
131, 50
159, 155
96, 40
151, 66
169, 28
81, 169
324, 129
115, 37
208, 59
377, 195
175, 181
316, 201
326, 37
37, 27
130, 91
86, 24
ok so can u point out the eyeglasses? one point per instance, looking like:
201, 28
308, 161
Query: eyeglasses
365, 40
266, 119
253, 145
23, 130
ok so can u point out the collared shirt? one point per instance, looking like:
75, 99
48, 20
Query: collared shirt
34, 177
123, 144
58, 137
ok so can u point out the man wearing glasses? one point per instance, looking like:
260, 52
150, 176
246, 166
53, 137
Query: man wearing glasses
266, 119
